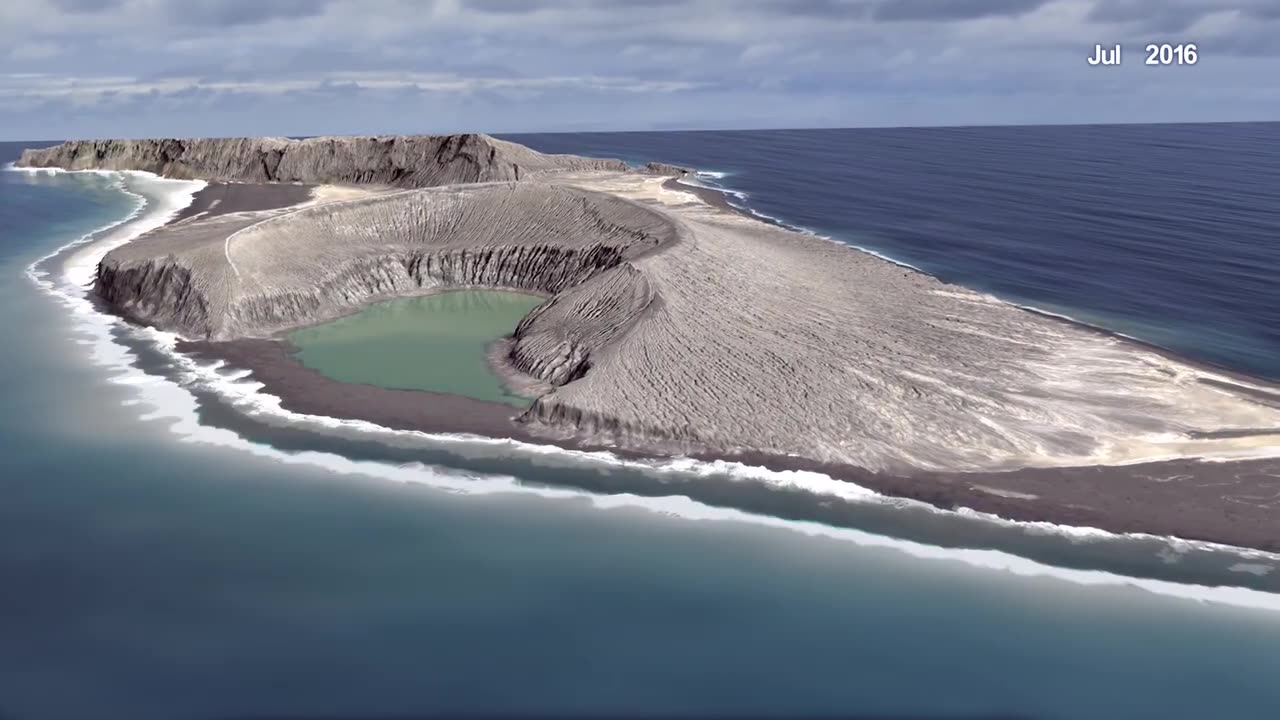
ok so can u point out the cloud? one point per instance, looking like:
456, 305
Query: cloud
616, 63
34, 51
85, 6
230, 13
506, 7
827, 9
1154, 15
931, 10
92, 90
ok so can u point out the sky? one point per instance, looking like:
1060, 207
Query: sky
137, 68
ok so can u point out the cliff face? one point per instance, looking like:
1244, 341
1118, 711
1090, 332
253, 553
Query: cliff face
235, 276
408, 161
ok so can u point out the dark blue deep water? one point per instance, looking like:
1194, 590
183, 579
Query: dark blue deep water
1170, 233
166, 555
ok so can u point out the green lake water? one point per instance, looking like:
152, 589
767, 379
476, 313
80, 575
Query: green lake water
435, 342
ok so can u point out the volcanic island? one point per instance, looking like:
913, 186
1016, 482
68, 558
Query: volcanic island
676, 324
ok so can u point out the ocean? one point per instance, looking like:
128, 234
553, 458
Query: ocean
174, 545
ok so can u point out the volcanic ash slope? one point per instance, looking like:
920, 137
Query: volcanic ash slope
764, 338
676, 327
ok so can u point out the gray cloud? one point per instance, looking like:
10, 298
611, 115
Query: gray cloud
228, 13
306, 66
824, 8
1170, 16
507, 7
1264, 10
524, 7
85, 6
926, 10
1177, 15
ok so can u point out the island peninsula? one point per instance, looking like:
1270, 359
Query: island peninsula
677, 326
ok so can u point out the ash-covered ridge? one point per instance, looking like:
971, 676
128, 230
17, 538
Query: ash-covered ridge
406, 161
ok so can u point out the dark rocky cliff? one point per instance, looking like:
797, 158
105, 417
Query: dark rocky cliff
408, 161
657, 168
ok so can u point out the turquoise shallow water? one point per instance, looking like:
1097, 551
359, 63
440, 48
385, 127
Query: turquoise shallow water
437, 343
165, 553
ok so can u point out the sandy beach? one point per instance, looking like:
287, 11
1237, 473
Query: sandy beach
220, 198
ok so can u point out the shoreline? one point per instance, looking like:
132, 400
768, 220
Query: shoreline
719, 199
1058, 495
1061, 496
221, 198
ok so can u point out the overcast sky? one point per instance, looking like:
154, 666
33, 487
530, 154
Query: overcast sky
97, 68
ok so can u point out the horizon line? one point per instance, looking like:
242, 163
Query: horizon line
812, 128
